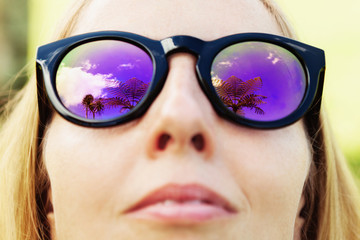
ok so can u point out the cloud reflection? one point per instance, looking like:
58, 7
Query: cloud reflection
73, 83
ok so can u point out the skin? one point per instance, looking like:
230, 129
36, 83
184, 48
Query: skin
96, 174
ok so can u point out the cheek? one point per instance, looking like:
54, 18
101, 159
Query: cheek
84, 170
270, 167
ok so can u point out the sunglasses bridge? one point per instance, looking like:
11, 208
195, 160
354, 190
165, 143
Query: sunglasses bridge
182, 43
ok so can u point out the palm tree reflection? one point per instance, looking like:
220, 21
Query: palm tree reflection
92, 105
125, 96
237, 94
87, 101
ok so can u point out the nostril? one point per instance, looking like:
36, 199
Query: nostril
163, 141
198, 141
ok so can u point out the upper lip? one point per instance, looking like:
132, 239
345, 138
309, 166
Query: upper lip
183, 193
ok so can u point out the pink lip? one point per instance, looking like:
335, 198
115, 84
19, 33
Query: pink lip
182, 204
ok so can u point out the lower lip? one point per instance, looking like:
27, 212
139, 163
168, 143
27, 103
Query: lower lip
181, 212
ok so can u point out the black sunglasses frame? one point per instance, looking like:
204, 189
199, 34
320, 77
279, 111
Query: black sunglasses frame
49, 57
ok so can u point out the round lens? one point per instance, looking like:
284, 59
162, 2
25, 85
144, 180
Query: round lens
259, 81
103, 80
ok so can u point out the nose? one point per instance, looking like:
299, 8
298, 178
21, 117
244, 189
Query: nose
181, 119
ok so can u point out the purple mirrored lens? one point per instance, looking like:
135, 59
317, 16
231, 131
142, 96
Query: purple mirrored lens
104, 79
259, 81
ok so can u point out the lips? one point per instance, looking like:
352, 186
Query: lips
182, 203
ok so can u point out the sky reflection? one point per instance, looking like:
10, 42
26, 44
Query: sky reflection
102, 69
282, 75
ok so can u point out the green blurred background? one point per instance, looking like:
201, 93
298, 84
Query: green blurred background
331, 25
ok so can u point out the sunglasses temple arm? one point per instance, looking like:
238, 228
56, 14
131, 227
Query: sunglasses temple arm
312, 117
43, 102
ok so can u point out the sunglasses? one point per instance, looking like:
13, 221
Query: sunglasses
107, 78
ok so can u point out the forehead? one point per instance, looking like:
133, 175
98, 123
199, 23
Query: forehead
158, 19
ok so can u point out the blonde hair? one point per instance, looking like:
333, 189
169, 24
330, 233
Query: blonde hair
331, 210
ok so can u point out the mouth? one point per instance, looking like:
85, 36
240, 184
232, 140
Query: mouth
182, 204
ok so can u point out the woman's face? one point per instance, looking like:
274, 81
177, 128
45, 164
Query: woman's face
194, 174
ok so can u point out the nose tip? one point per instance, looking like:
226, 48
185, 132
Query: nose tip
179, 138
197, 141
